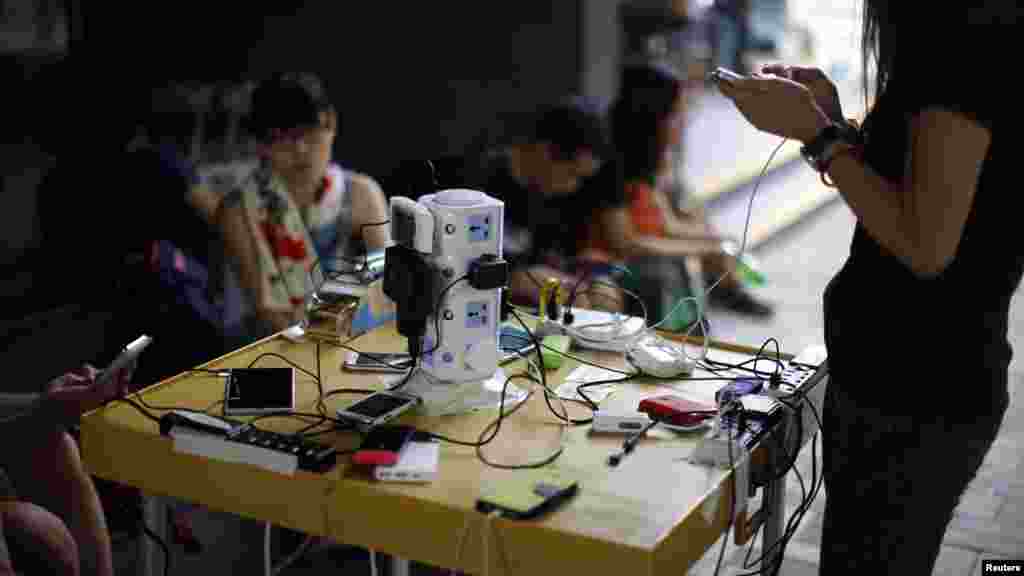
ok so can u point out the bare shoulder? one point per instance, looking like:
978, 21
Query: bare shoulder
363, 183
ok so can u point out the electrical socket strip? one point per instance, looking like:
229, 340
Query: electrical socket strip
794, 379
229, 441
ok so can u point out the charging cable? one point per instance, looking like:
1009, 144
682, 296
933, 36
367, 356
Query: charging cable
739, 254
630, 443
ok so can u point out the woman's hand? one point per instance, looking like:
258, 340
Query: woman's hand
75, 393
777, 105
281, 320
826, 96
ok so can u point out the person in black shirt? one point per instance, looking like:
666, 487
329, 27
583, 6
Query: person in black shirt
541, 178
916, 320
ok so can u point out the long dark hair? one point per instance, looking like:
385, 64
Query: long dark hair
647, 97
975, 35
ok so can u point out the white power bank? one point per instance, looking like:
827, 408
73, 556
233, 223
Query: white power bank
619, 422
417, 463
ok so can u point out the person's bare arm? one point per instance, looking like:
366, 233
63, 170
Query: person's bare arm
523, 282
625, 241
241, 251
369, 209
679, 224
206, 202
920, 219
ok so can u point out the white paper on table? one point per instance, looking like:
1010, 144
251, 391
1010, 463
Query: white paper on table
584, 374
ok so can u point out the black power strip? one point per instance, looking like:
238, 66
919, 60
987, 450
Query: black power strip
229, 440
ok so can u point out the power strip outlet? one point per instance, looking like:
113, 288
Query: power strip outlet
222, 439
802, 372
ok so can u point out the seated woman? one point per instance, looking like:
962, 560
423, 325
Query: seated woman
543, 179
648, 233
292, 207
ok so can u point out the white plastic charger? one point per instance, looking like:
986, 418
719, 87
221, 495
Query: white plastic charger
659, 357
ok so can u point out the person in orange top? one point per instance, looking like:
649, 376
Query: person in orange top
649, 233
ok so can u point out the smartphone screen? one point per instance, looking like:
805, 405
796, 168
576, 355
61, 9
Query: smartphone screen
388, 361
389, 438
378, 405
259, 390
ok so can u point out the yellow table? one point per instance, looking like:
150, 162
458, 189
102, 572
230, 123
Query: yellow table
654, 514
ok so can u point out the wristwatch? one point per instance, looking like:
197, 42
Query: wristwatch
820, 150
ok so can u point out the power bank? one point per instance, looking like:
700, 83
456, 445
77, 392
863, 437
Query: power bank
417, 463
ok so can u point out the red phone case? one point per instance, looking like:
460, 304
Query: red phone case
375, 458
382, 445
676, 410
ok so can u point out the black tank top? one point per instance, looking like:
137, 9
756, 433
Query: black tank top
912, 344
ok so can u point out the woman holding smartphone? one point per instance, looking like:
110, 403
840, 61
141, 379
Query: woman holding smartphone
930, 271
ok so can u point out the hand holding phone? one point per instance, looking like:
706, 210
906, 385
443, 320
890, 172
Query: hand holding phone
720, 75
79, 391
116, 376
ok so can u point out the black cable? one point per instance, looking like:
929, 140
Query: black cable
437, 315
543, 374
742, 365
135, 405
531, 465
629, 444
163, 546
794, 521
338, 391
778, 356
732, 506
497, 425
287, 361
590, 402
319, 383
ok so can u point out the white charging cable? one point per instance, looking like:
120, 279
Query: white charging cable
739, 254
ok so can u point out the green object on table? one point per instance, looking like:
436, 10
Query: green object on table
553, 349
682, 316
747, 267
749, 271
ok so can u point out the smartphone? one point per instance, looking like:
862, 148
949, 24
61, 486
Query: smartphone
382, 445
254, 391
395, 363
526, 496
378, 408
125, 359
724, 75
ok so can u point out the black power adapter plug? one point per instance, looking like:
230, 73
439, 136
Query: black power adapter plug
488, 272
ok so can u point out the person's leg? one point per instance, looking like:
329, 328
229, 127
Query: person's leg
891, 486
51, 475
37, 541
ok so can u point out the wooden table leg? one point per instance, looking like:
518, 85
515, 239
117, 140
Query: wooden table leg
150, 554
400, 566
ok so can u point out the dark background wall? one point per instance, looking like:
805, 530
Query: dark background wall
412, 80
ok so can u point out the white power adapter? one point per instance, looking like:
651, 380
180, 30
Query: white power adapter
619, 422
